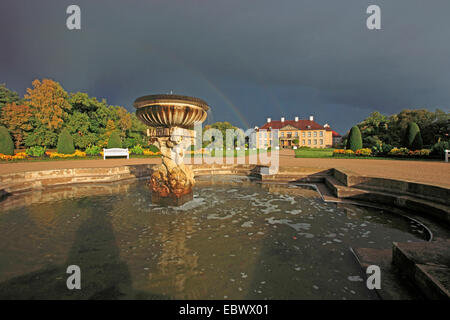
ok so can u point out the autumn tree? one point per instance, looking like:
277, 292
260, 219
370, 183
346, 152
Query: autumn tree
16, 119
49, 104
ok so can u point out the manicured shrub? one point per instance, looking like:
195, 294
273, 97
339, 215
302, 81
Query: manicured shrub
36, 151
93, 150
137, 149
65, 143
413, 137
114, 140
354, 139
6, 143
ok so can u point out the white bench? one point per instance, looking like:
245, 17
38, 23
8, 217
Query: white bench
446, 155
115, 152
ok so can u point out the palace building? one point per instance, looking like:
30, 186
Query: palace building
296, 133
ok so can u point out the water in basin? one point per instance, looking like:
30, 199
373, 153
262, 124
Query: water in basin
236, 240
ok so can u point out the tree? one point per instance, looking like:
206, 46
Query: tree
354, 139
413, 138
16, 119
7, 96
124, 119
65, 142
79, 126
114, 140
49, 103
223, 127
6, 143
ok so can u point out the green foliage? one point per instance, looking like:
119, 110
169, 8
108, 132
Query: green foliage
295, 141
7, 96
6, 143
153, 148
65, 143
93, 150
41, 136
439, 148
413, 138
114, 140
137, 149
355, 140
35, 151
381, 148
238, 139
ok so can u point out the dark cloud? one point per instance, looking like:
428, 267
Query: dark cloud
248, 59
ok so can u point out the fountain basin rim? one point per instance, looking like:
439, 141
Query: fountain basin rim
167, 99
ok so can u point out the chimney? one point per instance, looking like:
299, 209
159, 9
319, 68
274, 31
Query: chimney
268, 120
311, 118
282, 119
326, 125
296, 119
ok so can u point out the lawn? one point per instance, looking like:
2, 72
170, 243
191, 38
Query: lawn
314, 153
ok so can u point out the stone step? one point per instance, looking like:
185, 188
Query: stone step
426, 264
393, 286
340, 190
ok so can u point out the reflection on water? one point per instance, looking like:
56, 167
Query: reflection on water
237, 239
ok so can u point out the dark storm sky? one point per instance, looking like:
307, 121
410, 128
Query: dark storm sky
249, 59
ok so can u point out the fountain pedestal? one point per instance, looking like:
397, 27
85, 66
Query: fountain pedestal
172, 181
171, 118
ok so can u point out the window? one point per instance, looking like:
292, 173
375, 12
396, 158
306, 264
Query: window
315, 141
315, 133
309, 141
303, 142
321, 133
296, 134
282, 134
303, 134
321, 141
309, 134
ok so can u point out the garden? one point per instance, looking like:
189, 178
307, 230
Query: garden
396, 137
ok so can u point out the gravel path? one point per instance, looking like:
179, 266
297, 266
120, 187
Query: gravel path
431, 172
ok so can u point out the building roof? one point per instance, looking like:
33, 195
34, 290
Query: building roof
300, 124
335, 134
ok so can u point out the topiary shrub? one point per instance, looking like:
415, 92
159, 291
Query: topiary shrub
413, 138
6, 143
354, 141
114, 140
65, 143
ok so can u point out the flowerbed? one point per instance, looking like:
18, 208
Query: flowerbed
17, 156
348, 152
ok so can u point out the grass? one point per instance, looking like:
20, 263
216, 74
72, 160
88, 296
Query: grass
314, 153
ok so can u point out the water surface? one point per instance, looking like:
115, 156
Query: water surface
236, 240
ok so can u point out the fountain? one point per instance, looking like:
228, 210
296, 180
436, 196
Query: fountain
171, 119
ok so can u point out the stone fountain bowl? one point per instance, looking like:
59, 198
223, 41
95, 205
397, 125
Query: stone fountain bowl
168, 110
